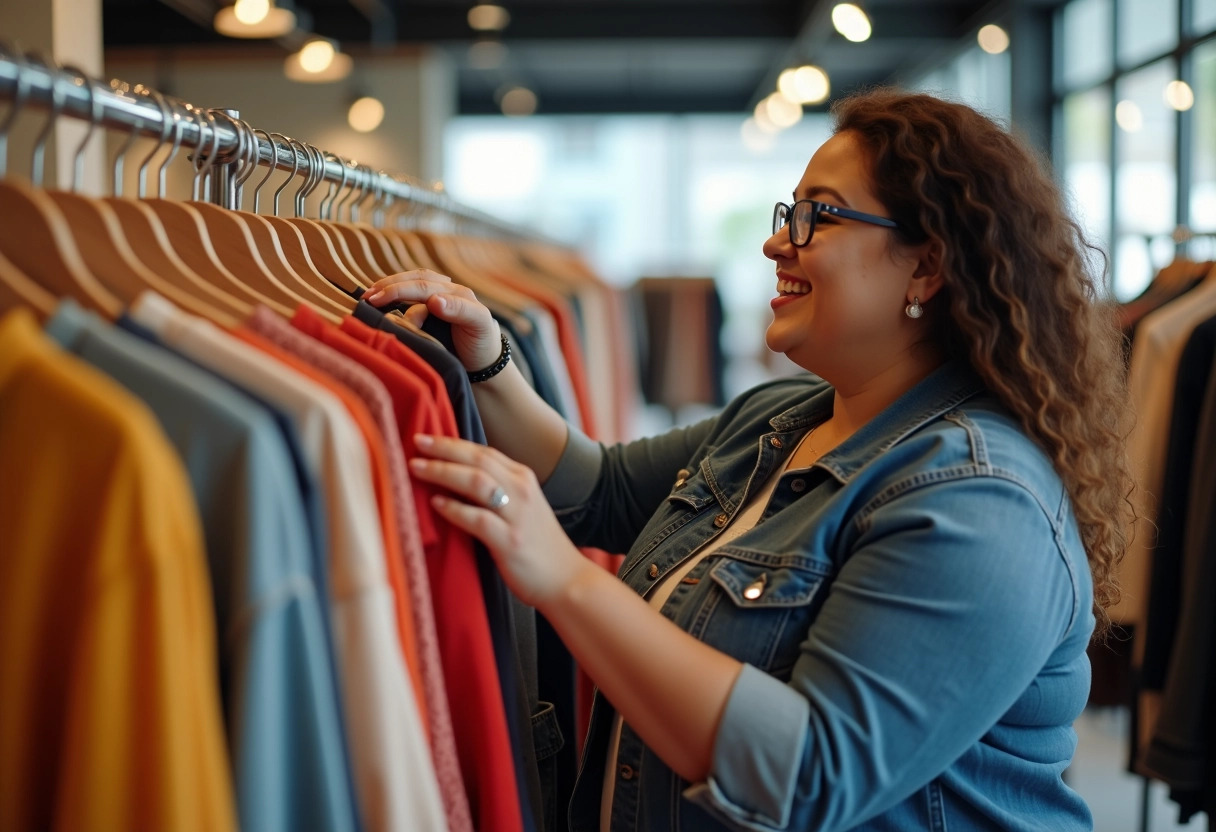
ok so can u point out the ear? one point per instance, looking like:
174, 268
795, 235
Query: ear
927, 278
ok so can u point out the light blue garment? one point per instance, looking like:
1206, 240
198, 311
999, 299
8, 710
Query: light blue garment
282, 717
912, 611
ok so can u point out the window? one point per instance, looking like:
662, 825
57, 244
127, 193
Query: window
1146, 29
1203, 16
1146, 176
1202, 202
1087, 56
1085, 166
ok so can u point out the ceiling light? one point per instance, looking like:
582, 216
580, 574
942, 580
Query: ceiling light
993, 39
1128, 116
518, 101
317, 62
1178, 94
254, 19
805, 85
781, 111
851, 21
756, 138
487, 53
487, 17
763, 122
317, 55
365, 114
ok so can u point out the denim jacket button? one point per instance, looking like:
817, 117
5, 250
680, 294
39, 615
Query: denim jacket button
682, 477
654, 570
626, 772
798, 485
756, 588
721, 520
775, 442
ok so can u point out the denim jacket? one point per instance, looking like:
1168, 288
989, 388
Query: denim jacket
912, 612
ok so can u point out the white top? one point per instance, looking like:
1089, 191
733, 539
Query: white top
660, 592
390, 757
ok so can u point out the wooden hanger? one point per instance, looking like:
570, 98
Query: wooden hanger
338, 242
289, 238
358, 240
17, 290
142, 228
99, 236
316, 290
34, 235
319, 245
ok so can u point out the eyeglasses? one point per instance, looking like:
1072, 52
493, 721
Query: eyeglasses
806, 214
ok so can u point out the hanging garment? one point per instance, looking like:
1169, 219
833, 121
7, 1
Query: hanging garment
511, 623
1182, 750
394, 779
267, 606
443, 743
109, 713
473, 683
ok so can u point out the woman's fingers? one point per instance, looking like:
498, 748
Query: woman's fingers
472, 484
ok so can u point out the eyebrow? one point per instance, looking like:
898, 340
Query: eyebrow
819, 190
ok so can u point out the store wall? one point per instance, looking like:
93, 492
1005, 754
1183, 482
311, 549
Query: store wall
66, 32
417, 87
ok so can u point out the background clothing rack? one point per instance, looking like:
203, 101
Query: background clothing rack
122, 106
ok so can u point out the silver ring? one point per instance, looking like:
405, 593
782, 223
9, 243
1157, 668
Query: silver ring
498, 500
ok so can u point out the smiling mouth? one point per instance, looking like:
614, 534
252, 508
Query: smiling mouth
792, 287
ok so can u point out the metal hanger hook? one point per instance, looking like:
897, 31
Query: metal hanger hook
295, 168
38, 162
165, 126
19, 98
176, 108
334, 190
120, 156
316, 159
94, 119
304, 180
202, 171
354, 185
274, 160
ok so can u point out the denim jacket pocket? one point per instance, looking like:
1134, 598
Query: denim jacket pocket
765, 607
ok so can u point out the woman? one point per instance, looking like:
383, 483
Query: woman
855, 603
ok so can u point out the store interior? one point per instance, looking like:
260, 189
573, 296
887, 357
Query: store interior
652, 139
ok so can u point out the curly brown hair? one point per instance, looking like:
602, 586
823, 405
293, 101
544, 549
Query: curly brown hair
1025, 307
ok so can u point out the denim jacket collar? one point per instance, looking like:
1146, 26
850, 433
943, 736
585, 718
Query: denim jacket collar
938, 393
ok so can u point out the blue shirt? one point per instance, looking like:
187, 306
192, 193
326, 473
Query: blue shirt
912, 612
280, 707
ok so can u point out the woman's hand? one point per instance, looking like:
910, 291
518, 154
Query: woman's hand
534, 555
475, 333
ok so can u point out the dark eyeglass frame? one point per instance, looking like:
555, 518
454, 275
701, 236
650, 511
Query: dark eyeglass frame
816, 209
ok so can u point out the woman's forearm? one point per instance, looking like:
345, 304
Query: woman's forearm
669, 687
519, 422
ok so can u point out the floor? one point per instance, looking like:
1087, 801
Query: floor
1114, 796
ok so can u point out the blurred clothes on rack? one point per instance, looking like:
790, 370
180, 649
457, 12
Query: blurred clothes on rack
111, 715
1168, 572
681, 360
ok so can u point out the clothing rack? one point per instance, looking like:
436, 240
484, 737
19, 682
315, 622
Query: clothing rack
26, 82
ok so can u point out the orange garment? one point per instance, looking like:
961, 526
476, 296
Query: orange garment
384, 503
109, 697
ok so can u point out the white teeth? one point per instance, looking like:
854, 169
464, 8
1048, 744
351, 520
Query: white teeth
793, 287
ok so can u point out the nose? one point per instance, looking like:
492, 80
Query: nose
778, 245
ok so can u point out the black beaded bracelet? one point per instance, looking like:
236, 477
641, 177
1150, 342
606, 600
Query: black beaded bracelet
497, 367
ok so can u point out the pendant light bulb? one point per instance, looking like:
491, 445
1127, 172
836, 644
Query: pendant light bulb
254, 19
251, 12
316, 55
365, 114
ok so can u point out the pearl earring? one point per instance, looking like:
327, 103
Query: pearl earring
914, 309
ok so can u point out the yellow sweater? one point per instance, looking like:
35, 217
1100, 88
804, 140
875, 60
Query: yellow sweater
109, 706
